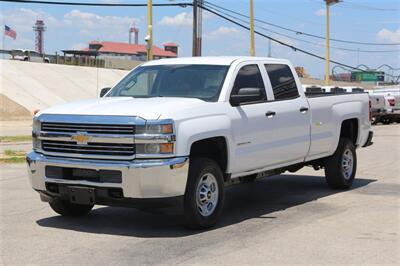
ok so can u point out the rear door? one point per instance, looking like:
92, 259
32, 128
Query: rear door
288, 117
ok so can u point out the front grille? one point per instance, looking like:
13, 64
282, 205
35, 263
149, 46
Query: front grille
89, 128
91, 148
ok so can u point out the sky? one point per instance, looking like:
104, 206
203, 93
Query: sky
72, 27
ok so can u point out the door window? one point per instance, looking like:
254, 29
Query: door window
282, 81
249, 77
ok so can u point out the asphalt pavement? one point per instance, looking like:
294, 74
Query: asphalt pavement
293, 218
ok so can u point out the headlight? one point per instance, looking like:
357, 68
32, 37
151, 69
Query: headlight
154, 129
155, 148
35, 134
155, 138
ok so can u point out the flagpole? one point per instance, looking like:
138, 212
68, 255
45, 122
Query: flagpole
4, 40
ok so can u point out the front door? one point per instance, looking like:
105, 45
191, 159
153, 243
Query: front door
249, 123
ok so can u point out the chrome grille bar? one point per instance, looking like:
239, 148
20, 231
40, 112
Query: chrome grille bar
100, 138
89, 128
104, 137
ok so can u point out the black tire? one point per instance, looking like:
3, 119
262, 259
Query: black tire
66, 208
199, 167
248, 178
334, 173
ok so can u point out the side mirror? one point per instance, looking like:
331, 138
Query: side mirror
246, 95
104, 91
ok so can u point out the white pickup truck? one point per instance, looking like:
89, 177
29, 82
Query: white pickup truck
179, 130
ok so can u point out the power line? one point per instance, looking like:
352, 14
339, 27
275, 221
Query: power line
296, 31
280, 42
305, 41
92, 4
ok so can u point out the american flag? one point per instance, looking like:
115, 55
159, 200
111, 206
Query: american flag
10, 32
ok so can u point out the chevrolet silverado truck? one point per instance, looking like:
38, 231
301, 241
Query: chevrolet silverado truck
178, 131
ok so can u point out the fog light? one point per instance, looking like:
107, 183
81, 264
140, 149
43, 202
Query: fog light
155, 148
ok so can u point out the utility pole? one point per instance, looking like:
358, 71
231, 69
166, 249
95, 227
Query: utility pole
252, 43
194, 41
327, 55
149, 37
197, 27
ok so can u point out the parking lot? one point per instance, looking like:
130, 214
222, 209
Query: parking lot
293, 218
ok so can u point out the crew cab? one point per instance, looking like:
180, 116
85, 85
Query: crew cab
177, 131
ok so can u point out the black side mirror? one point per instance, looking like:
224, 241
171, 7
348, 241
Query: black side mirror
104, 91
246, 95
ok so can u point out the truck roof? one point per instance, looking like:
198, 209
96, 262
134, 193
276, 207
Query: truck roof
212, 60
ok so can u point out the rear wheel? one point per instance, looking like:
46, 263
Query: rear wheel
340, 168
66, 208
204, 195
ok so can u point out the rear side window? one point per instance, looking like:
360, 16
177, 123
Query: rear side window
282, 81
248, 77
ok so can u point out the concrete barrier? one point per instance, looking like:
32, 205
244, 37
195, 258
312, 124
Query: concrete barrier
38, 85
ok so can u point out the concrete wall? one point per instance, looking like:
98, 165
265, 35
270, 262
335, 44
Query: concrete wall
117, 63
39, 85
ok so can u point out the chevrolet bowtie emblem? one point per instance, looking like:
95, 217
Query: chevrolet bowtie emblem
80, 138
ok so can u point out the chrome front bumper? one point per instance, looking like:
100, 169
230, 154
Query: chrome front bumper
141, 179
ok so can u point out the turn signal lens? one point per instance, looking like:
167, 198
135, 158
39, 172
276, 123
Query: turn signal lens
167, 148
166, 129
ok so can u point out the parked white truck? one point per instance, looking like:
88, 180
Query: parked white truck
179, 130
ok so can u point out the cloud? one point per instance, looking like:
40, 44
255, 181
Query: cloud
92, 20
96, 26
23, 19
321, 12
79, 46
182, 19
389, 36
222, 32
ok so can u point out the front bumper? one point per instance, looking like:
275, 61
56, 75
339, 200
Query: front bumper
141, 179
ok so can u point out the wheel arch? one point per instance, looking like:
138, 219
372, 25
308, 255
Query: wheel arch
215, 148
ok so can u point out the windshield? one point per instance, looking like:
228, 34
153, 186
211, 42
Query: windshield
190, 81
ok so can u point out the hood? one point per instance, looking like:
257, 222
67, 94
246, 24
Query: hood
147, 108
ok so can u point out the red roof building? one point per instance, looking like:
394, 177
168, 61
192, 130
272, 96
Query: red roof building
134, 51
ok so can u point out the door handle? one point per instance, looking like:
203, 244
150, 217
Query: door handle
270, 114
303, 109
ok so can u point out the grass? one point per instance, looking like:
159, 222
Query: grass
12, 160
15, 138
11, 156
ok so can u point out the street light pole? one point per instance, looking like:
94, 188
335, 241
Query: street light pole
327, 52
149, 37
252, 43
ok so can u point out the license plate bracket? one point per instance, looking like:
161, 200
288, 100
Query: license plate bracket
82, 195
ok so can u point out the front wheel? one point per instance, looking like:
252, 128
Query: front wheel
204, 195
340, 168
66, 208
